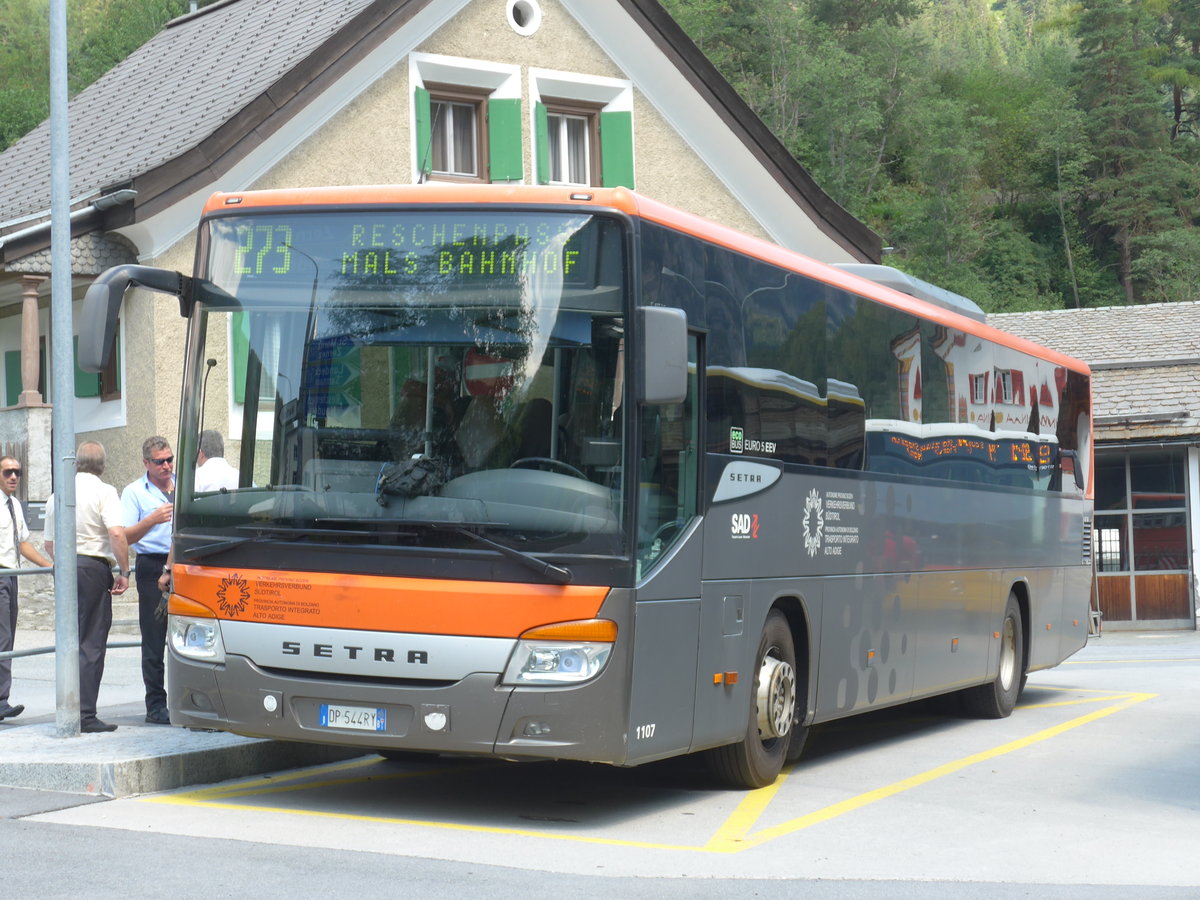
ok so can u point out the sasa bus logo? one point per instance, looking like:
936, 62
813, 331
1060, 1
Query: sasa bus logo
744, 525
814, 522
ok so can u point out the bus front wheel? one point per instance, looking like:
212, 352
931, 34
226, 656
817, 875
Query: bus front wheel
998, 698
756, 760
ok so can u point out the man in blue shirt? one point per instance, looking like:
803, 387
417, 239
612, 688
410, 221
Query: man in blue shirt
148, 504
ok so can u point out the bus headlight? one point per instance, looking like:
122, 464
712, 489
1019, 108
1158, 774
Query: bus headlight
563, 653
198, 639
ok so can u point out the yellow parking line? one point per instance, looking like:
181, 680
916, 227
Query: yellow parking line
734, 835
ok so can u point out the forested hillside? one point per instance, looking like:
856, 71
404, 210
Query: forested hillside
1026, 153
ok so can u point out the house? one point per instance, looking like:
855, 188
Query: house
249, 94
1146, 386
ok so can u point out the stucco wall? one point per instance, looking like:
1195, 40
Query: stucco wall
369, 141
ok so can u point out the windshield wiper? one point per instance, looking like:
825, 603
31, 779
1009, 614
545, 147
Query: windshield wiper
261, 535
557, 574
548, 570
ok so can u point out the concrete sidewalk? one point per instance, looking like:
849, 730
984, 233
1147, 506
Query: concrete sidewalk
137, 757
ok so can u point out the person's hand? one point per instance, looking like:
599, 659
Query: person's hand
120, 583
164, 582
161, 515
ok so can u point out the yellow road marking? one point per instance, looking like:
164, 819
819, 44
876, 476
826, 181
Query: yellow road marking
733, 836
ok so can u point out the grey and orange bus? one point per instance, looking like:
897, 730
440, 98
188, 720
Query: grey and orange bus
540, 472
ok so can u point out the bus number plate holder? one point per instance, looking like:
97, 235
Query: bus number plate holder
360, 718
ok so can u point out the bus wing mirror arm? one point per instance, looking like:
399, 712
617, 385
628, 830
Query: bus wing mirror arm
662, 375
102, 305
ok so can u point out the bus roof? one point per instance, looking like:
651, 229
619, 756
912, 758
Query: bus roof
632, 204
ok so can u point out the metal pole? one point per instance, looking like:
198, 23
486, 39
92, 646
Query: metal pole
66, 598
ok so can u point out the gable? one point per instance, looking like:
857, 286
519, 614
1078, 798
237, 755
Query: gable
161, 124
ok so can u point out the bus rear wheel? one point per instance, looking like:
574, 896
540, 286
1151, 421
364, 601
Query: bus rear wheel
998, 698
756, 760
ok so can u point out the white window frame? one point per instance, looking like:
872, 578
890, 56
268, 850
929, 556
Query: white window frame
496, 80
604, 94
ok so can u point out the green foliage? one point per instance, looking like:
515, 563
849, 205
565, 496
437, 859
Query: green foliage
1025, 153
100, 33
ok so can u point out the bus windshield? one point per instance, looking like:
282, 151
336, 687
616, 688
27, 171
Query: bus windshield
445, 376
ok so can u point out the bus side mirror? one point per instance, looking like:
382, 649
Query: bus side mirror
662, 338
102, 304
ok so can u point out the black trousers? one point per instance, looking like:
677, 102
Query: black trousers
93, 582
147, 569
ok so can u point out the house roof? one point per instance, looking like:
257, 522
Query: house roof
181, 110
1145, 364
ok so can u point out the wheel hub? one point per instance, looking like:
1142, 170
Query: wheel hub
776, 698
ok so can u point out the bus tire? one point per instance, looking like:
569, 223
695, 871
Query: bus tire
756, 760
998, 698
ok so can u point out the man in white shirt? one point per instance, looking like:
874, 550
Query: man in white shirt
213, 473
14, 543
99, 545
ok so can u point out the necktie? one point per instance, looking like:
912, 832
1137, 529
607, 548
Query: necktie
16, 538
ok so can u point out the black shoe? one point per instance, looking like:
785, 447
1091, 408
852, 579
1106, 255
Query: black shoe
11, 712
158, 717
95, 726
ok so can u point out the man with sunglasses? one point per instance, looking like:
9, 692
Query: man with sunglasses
148, 504
14, 543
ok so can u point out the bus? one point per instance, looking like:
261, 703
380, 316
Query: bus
557, 473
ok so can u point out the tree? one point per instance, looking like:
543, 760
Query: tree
100, 33
1140, 189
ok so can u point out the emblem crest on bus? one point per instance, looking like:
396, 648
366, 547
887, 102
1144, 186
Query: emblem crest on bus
814, 522
232, 595
736, 439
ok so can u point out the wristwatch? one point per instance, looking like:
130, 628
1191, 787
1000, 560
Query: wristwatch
125, 573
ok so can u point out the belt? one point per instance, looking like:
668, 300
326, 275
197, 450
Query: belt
141, 553
100, 559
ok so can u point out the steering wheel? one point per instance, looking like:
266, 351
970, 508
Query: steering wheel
667, 529
548, 463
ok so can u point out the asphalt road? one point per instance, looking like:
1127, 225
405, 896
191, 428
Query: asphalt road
1091, 789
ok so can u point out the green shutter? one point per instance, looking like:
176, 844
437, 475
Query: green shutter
240, 342
424, 132
616, 149
87, 384
12, 377
542, 142
505, 156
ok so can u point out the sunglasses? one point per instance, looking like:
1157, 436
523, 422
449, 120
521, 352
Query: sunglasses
11, 473
165, 461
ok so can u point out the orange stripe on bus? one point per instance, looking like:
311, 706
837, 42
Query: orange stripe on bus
378, 603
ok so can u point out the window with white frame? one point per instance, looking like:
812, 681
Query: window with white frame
456, 131
583, 129
467, 120
572, 134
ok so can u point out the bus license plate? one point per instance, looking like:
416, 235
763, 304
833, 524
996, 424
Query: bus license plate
361, 718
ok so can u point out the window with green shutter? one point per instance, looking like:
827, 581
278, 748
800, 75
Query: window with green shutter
465, 134
584, 144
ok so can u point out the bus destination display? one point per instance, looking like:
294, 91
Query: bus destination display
413, 248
